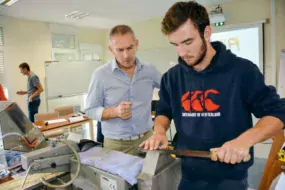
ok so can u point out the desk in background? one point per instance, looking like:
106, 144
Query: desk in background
55, 128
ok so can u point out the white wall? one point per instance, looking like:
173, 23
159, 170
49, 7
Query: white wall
280, 34
25, 41
150, 35
30, 41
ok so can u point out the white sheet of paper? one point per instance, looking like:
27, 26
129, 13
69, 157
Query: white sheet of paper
75, 119
56, 121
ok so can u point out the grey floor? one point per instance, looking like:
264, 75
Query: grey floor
255, 172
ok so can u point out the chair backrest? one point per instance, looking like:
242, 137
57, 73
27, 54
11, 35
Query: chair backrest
65, 110
273, 165
46, 116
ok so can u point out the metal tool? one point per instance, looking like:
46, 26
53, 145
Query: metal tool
194, 153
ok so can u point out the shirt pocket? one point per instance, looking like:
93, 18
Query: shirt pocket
142, 89
115, 94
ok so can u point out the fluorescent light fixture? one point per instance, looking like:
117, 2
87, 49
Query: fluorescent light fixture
8, 2
76, 15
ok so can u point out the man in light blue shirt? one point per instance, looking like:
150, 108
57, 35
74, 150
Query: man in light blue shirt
120, 94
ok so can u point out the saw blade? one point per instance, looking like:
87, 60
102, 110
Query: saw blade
190, 153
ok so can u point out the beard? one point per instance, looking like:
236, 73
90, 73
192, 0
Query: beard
200, 57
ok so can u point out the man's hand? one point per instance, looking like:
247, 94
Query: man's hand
124, 110
155, 141
30, 99
21, 92
233, 152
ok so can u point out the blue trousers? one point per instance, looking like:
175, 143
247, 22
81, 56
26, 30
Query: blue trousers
226, 184
100, 136
33, 108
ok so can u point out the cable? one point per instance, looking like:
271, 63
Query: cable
75, 176
10, 134
64, 184
26, 176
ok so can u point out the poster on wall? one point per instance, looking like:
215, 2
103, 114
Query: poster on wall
244, 42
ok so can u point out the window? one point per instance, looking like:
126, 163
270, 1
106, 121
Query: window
2, 70
64, 47
90, 52
2, 66
1, 37
65, 56
63, 41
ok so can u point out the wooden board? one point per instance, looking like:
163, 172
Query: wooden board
32, 180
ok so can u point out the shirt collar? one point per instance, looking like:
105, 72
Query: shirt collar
139, 65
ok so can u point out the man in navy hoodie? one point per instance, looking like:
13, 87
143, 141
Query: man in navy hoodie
210, 94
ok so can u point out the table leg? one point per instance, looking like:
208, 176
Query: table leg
91, 129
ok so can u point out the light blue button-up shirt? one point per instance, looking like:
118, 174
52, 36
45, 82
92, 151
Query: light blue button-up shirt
110, 86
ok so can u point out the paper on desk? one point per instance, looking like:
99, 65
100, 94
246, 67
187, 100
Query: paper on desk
56, 121
76, 119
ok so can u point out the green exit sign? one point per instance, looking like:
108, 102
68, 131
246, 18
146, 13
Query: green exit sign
219, 23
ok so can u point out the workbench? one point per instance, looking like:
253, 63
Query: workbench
33, 181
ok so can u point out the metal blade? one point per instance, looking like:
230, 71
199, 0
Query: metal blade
190, 153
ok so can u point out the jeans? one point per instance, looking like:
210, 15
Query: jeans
33, 108
100, 136
226, 184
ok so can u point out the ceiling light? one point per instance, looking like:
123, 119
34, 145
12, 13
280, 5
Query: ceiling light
8, 2
76, 15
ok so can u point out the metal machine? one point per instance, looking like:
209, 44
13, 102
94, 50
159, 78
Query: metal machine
16, 130
160, 171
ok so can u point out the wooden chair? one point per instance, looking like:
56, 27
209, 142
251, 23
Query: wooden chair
64, 110
46, 116
273, 165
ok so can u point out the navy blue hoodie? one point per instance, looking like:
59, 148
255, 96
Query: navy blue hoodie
214, 106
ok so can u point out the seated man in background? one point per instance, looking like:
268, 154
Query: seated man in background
120, 94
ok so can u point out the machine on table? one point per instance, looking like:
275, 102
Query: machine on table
160, 171
17, 135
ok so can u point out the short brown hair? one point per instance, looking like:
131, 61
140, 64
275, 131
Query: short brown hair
24, 66
180, 12
121, 30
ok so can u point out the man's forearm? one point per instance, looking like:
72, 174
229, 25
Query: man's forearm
108, 113
265, 128
161, 124
36, 93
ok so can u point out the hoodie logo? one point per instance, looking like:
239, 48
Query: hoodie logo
198, 103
